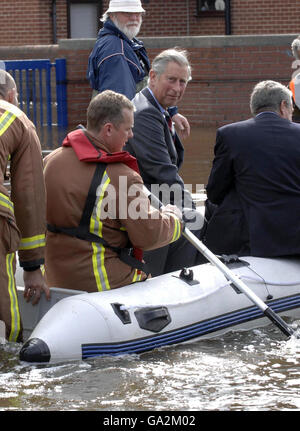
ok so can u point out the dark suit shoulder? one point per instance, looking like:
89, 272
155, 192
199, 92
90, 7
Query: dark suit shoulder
144, 100
146, 112
238, 124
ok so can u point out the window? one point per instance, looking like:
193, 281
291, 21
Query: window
83, 18
211, 7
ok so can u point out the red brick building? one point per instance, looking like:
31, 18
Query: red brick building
43, 22
229, 50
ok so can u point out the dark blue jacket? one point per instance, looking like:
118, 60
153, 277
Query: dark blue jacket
116, 62
255, 181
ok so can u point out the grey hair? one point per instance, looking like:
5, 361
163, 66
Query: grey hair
175, 55
6, 83
296, 47
268, 95
105, 17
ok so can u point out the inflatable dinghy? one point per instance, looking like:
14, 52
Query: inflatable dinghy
180, 307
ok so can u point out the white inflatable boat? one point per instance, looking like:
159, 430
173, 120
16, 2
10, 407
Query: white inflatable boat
179, 307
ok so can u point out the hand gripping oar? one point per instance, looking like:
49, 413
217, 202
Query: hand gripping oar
268, 312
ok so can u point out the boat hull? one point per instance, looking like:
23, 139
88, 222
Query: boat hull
170, 309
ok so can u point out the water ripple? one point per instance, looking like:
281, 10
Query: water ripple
255, 370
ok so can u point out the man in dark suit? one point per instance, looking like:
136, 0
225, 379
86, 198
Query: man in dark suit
255, 180
160, 152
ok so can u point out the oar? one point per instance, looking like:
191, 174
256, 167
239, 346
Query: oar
268, 312
2, 329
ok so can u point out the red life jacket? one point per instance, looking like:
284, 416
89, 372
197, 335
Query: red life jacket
86, 151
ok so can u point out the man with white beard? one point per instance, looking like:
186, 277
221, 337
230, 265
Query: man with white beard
119, 61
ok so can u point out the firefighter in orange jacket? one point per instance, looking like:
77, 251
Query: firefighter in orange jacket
96, 205
22, 212
294, 84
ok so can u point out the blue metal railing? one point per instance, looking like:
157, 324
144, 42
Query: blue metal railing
35, 86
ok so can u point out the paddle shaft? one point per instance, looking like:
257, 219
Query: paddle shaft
2, 329
212, 258
268, 312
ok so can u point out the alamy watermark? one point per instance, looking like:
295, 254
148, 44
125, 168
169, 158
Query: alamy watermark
132, 202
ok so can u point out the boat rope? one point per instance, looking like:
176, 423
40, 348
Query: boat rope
273, 283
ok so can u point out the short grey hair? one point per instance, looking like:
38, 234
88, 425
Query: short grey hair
296, 48
175, 55
268, 95
105, 17
6, 83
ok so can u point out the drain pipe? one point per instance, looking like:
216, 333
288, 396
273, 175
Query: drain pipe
227, 18
54, 21
187, 17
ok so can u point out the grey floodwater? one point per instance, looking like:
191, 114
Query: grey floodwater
244, 371
253, 371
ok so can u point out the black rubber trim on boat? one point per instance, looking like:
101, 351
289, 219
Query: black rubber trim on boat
35, 350
123, 315
233, 261
187, 275
153, 319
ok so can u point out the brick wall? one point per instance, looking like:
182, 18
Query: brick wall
178, 18
30, 21
265, 16
224, 71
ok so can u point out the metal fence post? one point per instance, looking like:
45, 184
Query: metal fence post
61, 92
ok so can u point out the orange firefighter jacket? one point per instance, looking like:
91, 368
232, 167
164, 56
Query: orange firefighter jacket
121, 213
294, 86
23, 209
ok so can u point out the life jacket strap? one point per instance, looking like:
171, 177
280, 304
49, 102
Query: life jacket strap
82, 230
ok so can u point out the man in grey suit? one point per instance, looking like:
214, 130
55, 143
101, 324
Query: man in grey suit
160, 152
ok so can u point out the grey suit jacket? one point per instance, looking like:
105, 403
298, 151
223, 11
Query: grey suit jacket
159, 157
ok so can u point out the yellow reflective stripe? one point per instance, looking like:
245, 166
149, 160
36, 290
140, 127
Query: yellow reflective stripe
14, 306
177, 229
32, 242
6, 202
137, 276
96, 228
5, 121
99, 268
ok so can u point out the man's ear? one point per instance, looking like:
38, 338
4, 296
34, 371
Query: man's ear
152, 75
10, 96
285, 110
282, 107
107, 129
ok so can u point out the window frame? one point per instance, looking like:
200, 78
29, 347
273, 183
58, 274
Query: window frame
99, 12
210, 13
